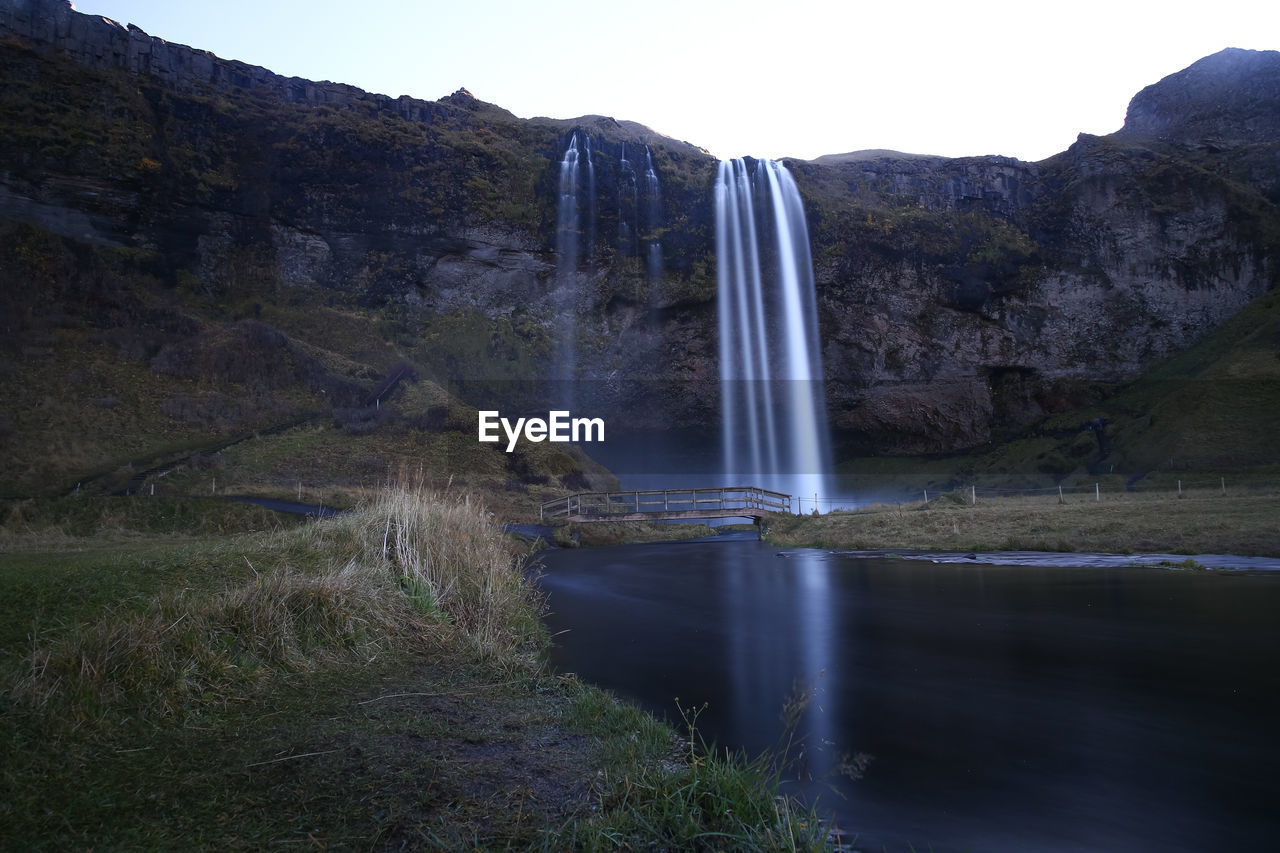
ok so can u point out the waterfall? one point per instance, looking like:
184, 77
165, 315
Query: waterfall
773, 428
568, 226
591, 202
628, 202
653, 224
568, 232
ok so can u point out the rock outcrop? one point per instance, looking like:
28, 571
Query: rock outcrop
957, 297
1223, 100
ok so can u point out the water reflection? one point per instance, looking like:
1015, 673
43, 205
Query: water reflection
1024, 708
759, 610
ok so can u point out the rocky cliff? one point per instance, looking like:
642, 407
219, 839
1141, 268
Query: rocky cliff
958, 298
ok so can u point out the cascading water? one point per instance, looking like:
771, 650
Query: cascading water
773, 423
568, 231
591, 202
628, 202
568, 225
653, 210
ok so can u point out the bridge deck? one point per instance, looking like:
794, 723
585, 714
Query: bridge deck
658, 504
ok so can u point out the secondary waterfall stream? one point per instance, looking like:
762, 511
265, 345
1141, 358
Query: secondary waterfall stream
568, 234
639, 235
628, 206
653, 223
773, 424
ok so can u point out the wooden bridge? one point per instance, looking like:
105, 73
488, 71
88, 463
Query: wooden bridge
740, 502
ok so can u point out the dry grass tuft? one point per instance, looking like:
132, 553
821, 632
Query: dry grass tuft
450, 556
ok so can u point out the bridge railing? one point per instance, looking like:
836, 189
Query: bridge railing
659, 502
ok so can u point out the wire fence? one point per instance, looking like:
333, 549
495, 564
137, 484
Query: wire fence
1102, 490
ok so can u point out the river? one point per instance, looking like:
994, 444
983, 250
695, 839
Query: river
1006, 708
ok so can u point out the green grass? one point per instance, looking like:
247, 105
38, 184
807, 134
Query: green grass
369, 681
48, 522
59, 435
48, 593
1201, 521
64, 561
678, 794
600, 534
1213, 406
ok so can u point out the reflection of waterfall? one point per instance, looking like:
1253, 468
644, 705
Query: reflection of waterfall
784, 629
568, 232
653, 222
773, 422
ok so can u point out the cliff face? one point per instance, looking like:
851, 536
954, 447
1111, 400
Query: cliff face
1001, 291
957, 297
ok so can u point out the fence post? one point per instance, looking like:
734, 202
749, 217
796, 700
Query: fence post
1179, 488
1224, 485
1097, 493
926, 495
1061, 499
973, 491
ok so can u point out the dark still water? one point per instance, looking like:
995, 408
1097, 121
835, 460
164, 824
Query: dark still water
1007, 708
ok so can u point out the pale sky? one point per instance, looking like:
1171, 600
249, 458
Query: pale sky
798, 78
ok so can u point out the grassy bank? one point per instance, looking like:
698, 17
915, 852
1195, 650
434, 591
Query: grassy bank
1197, 522
599, 534
371, 681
